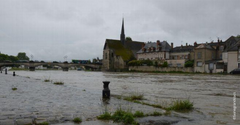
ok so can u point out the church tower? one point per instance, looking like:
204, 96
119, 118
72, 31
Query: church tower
122, 36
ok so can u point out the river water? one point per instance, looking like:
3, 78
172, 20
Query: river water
212, 95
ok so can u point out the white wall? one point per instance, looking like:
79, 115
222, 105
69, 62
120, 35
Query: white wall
232, 61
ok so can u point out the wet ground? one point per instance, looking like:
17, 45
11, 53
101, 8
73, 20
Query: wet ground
80, 96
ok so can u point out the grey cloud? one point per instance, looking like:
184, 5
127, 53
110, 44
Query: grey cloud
51, 29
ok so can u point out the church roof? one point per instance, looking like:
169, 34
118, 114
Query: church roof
119, 49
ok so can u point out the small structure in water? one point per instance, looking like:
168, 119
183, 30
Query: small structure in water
106, 90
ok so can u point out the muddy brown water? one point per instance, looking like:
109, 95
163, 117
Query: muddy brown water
80, 96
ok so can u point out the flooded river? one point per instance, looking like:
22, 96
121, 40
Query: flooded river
80, 96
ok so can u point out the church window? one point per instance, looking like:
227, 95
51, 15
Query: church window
105, 55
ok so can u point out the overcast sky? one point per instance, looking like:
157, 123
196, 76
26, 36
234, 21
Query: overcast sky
52, 29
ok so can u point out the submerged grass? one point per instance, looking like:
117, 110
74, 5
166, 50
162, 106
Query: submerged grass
43, 123
58, 83
181, 105
177, 105
14, 88
134, 97
77, 120
46, 80
138, 114
126, 117
105, 116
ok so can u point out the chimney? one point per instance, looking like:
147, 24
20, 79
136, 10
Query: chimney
195, 44
143, 45
171, 45
158, 42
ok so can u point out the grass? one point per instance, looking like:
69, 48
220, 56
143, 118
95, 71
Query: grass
58, 83
134, 97
14, 89
43, 123
119, 115
123, 116
138, 114
178, 105
181, 105
126, 117
155, 114
77, 120
105, 116
47, 80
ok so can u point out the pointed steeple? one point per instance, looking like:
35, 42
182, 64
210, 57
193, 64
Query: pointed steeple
122, 36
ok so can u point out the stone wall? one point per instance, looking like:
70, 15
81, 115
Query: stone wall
161, 69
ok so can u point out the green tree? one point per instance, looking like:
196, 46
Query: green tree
22, 56
165, 64
128, 38
3, 57
13, 58
189, 63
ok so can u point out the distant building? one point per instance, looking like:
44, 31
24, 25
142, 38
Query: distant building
117, 53
154, 51
208, 57
231, 54
180, 54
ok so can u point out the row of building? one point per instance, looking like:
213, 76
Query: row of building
218, 56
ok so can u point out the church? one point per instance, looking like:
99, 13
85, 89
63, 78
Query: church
117, 53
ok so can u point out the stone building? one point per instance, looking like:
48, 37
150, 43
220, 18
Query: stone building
231, 54
154, 51
117, 53
208, 57
180, 54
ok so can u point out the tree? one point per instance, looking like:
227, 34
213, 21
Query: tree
189, 63
128, 38
13, 58
22, 56
165, 64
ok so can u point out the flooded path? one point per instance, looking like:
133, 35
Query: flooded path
80, 96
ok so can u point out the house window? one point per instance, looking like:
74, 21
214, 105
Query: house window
199, 63
178, 64
238, 65
175, 57
112, 55
199, 55
220, 57
186, 56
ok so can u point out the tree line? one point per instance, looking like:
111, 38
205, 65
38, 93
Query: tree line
11, 58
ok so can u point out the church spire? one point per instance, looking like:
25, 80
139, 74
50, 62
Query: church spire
122, 36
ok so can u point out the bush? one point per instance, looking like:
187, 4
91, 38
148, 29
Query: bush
189, 63
165, 64
135, 63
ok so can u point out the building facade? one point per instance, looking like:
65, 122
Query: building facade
117, 53
154, 51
